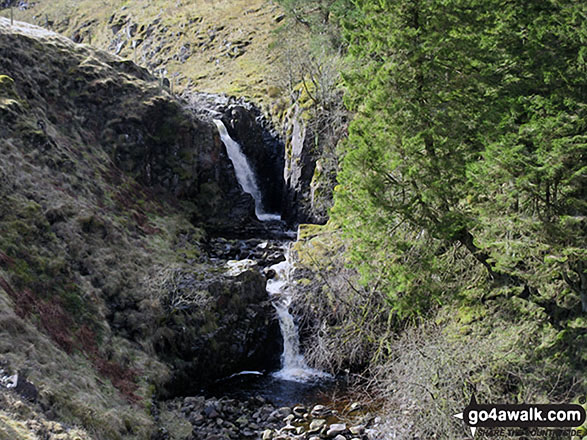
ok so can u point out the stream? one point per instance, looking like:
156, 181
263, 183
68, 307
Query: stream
294, 401
295, 381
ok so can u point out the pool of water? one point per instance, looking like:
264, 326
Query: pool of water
279, 392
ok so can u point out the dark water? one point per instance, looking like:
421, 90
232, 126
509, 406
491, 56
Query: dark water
277, 391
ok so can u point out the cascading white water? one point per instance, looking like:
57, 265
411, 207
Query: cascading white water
293, 364
244, 172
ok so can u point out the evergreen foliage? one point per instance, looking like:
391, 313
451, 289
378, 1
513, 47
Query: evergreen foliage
469, 134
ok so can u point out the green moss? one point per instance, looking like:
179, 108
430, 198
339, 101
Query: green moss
7, 87
307, 231
468, 314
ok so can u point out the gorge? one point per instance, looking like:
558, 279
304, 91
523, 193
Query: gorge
289, 219
130, 173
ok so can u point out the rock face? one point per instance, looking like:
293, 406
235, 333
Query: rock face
259, 141
145, 132
310, 169
299, 170
234, 329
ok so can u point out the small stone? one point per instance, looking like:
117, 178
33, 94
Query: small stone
317, 424
339, 437
335, 429
355, 406
196, 418
289, 418
299, 411
318, 409
284, 411
287, 428
357, 430
267, 434
300, 430
242, 421
210, 412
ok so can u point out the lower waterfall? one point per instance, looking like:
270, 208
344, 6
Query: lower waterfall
280, 289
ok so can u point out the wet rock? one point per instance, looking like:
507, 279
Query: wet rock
317, 424
335, 429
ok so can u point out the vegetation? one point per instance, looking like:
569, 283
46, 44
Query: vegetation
461, 202
454, 260
469, 131
218, 47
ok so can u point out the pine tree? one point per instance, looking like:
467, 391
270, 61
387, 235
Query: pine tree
469, 133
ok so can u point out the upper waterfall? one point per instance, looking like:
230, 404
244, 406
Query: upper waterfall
244, 172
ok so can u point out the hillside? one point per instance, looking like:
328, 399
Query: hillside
106, 290
209, 46
157, 159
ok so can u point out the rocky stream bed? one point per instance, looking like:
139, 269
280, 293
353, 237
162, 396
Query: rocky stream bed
258, 418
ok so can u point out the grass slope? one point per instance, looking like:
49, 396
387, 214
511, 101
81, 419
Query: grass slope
84, 247
219, 46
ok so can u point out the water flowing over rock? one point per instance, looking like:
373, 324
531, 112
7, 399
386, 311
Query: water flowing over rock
247, 178
258, 139
293, 364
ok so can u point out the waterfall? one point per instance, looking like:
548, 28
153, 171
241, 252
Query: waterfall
293, 364
244, 172
280, 289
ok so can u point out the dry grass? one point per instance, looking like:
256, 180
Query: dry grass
219, 46
433, 373
422, 374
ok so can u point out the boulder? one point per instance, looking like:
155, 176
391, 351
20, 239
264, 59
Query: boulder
234, 330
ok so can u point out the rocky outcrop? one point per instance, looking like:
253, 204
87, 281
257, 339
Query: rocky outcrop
256, 136
310, 167
224, 324
145, 132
